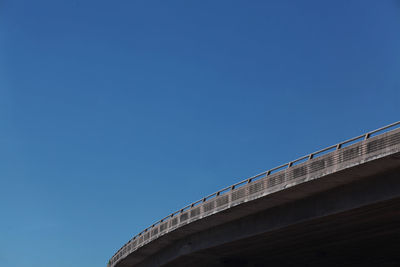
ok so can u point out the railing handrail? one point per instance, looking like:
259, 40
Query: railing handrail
267, 173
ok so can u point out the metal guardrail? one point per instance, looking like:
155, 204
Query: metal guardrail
118, 255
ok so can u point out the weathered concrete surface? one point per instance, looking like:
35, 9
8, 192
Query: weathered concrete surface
282, 223
366, 211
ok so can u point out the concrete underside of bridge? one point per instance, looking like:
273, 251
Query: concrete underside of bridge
354, 224
368, 236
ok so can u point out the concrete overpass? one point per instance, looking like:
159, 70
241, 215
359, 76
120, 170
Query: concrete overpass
337, 206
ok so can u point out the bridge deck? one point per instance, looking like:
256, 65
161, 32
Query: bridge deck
324, 170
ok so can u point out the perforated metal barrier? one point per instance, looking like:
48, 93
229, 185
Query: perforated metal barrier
365, 147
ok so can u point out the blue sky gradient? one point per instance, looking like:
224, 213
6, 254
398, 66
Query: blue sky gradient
115, 113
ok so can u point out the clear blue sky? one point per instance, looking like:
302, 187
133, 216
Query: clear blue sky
115, 113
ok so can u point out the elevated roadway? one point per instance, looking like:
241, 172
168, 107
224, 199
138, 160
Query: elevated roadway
337, 206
